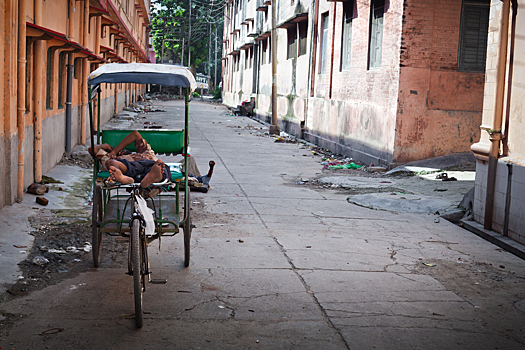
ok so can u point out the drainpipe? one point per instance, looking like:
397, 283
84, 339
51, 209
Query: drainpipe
314, 48
97, 36
69, 76
20, 95
39, 55
84, 75
315, 6
497, 119
332, 51
507, 201
115, 111
83, 99
274, 128
71, 20
86, 23
69, 98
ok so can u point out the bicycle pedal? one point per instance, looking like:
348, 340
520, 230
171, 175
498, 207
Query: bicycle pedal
158, 281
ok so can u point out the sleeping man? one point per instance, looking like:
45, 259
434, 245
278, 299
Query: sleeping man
126, 167
144, 166
126, 172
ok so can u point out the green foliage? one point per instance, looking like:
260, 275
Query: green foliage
217, 93
170, 21
196, 94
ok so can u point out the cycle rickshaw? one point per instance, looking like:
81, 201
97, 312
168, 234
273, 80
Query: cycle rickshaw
137, 217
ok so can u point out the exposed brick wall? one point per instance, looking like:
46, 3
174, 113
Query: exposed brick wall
430, 34
439, 109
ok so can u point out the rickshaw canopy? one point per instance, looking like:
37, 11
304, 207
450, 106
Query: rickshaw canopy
143, 73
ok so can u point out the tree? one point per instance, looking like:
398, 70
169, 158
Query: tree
170, 25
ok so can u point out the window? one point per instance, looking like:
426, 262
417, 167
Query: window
264, 51
377, 8
324, 42
77, 64
270, 50
297, 47
49, 79
248, 58
303, 33
472, 50
77, 67
292, 42
346, 41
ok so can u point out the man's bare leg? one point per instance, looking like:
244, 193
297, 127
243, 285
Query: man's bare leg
116, 175
154, 175
115, 163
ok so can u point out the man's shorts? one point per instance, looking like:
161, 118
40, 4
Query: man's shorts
139, 168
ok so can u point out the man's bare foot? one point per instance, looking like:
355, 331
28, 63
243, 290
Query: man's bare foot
154, 175
210, 172
116, 175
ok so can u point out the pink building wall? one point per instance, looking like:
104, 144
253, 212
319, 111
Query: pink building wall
439, 109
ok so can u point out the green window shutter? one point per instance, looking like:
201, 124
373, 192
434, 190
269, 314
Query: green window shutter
49, 68
376, 33
346, 45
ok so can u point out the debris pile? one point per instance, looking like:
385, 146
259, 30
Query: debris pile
142, 107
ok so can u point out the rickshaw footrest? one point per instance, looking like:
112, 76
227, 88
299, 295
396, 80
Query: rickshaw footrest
158, 281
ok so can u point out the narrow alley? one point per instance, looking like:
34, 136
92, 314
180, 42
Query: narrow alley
276, 264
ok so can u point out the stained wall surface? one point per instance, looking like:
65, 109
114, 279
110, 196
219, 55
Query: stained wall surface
78, 32
439, 106
415, 104
509, 192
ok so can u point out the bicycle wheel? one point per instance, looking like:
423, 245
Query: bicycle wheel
137, 263
187, 230
96, 220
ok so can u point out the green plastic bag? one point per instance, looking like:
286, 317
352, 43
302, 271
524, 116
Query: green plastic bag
345, 166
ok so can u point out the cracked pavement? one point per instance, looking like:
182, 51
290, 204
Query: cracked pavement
276, 265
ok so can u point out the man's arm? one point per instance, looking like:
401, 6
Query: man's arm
128, 140
103, 146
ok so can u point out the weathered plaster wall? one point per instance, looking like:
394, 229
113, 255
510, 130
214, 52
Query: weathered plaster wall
3, 136
516, 225
54, 18
515, 130
53, 147
354, 113
513, 145
8, 41
439, 110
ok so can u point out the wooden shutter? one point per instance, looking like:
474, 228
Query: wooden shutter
346, 45
376, 33
292, 41
303, 33
324, 43
473, 36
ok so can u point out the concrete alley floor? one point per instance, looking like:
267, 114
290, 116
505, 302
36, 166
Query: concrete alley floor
279, 265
